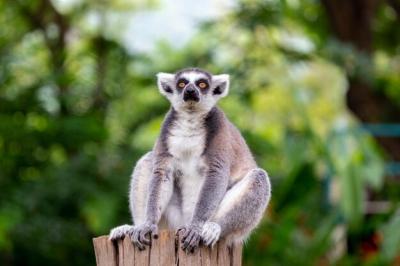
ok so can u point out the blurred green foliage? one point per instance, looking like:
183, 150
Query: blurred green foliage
77, 110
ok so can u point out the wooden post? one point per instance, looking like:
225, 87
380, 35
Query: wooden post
165, 251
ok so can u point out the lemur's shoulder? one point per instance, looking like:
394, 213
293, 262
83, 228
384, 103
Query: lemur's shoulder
161, 145
217, 123
221, 129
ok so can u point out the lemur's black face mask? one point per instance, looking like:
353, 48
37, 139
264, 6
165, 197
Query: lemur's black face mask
191, 93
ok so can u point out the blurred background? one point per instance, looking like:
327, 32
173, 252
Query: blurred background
315, 91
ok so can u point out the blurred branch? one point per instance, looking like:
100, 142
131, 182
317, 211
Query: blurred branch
395, 4
100, 47
44, 15
40, 18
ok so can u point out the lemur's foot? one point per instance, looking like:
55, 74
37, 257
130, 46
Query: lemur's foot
120, 232
139, 233
191, 236
210, 234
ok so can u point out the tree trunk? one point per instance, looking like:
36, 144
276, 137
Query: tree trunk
351, 23
165, 251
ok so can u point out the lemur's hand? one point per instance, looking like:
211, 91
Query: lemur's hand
120, 232
190, 237
139, 238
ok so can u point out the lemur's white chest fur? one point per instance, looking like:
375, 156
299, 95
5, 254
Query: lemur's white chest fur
186, 143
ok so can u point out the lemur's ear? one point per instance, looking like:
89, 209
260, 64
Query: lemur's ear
220, 85
165, 82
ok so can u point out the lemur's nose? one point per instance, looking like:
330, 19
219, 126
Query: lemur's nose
190, 89
191, 94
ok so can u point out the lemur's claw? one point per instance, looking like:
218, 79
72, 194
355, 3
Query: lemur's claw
155, 233
179, 231
190, 238
141, 235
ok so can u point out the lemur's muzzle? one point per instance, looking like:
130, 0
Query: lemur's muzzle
191, 94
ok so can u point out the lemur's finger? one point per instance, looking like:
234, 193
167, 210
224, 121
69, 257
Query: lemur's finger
211, 242
207, 241
194, 242
135, 236
185, 243
185, 235
154, 233
210, 239
180, 230
192, 249
142, 237
192, 234
135, 240
113, 236
140, 246
185, 246
195, 239
118, 232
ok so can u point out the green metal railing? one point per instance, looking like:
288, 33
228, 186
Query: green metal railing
392, 168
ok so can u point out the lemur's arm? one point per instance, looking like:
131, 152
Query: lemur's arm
211, 194
160, 181
213, 189
218, 157
160, 189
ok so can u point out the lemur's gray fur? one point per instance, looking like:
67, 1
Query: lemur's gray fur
200, 178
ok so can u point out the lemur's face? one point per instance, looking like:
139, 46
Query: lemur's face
193, 89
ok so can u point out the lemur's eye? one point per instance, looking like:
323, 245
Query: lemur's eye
182, 83
202, 85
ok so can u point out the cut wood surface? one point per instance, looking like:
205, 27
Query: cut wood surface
164, 251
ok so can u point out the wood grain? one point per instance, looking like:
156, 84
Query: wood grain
126, 252
188, 259
105, 251
236, 255
142, 257
223, 254
164, 251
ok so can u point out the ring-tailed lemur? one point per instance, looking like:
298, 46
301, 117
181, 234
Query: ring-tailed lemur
200, 177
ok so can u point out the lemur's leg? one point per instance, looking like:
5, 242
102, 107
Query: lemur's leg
139, 188
240, 210
138, 193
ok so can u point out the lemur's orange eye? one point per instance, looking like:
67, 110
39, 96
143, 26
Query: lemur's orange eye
202, 85
181, 85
